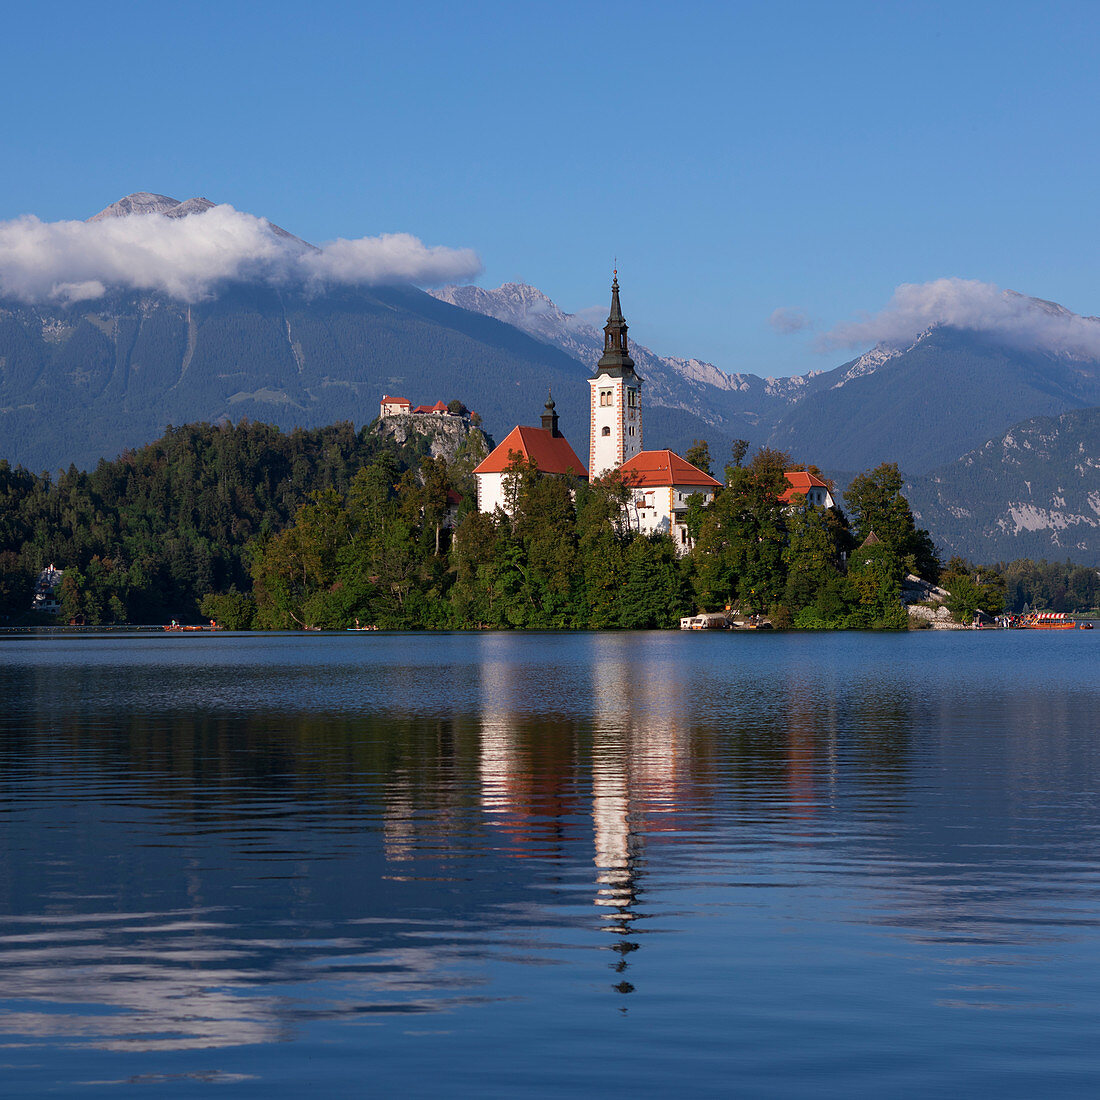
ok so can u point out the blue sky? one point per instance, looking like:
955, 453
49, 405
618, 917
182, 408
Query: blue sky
737, 158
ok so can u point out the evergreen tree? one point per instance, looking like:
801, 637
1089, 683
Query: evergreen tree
876, 504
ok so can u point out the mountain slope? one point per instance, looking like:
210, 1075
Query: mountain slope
1032, 492
83, 381
930, 403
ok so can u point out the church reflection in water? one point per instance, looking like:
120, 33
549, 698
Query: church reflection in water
640, 762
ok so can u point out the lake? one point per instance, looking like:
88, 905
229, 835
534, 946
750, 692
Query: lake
497, 864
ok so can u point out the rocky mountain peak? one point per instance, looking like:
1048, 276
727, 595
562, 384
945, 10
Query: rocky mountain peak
191, 206
147, 202
140, 202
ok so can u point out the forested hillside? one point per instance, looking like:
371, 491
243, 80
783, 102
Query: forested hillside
253, 526
144, 537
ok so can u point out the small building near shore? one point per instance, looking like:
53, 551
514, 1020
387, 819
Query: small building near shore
46, 589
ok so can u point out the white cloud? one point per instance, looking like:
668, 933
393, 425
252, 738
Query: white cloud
974, 305
393, 257
186, 257
589, 317
787, 320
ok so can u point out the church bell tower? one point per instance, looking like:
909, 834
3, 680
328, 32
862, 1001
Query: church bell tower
615, 423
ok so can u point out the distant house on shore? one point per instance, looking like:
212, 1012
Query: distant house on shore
45, 590
810, 486
544, 447
660, 484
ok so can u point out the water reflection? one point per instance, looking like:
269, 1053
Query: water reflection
220, 848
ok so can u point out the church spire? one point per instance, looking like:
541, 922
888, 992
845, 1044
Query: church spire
616, 354
615, 390
550, 417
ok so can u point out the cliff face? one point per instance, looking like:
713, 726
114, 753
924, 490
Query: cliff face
442, 436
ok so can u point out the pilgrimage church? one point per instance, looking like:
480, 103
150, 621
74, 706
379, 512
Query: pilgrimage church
659, 482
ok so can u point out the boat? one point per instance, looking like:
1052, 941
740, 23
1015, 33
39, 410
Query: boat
1047, 620
713, 620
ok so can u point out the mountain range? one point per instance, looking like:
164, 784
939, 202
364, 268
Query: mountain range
83, 378
1032, 492
921, 404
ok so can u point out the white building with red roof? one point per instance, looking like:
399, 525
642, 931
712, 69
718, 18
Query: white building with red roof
661, 483
394, 406
810, 486
545, 447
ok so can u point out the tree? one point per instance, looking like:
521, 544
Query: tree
698, 454
434, 495
293, 565
810, 556
230, 610
653, 592
739, 555
874, 575
875, 503
972, 589
694, 515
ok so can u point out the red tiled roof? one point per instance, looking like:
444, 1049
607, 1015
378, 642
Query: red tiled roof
438, 407
664, 468
801, 481
551, 453
394, 401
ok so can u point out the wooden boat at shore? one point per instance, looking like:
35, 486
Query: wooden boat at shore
1047, 620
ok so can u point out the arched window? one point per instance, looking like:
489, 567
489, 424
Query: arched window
606, 430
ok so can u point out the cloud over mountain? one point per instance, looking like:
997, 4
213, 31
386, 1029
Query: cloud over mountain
186, 256
390, 258
973, 305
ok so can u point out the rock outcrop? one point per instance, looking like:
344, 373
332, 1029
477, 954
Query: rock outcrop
442, 435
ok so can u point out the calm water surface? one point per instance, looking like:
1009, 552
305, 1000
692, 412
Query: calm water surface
500, 864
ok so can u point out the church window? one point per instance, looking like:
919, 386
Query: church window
606, 430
